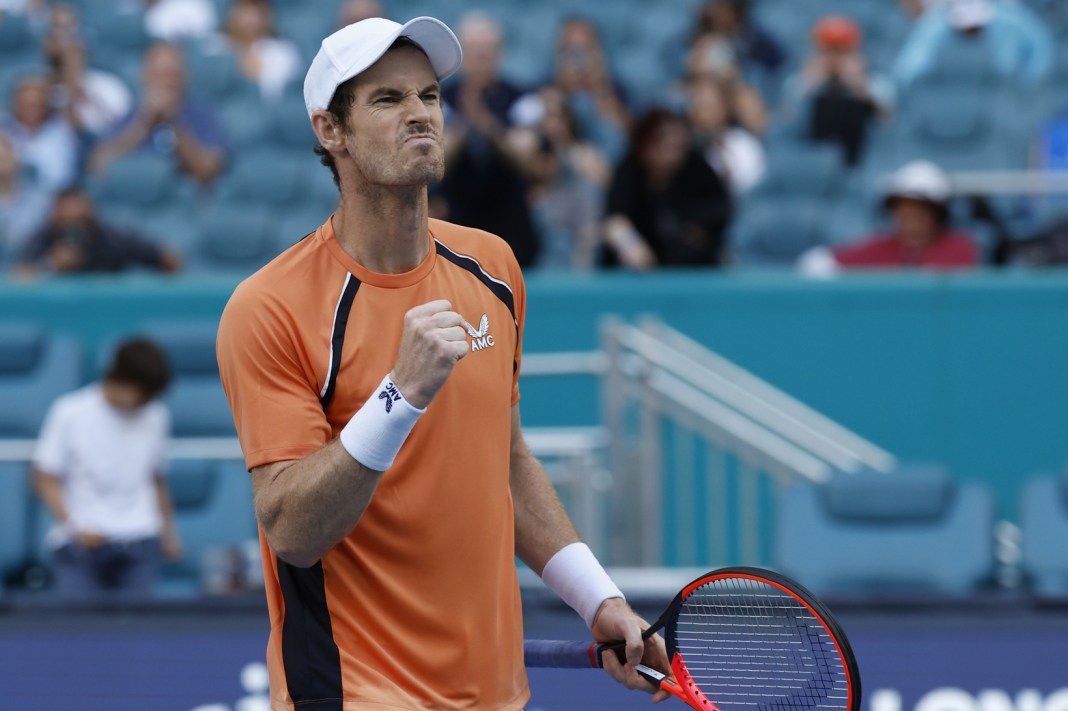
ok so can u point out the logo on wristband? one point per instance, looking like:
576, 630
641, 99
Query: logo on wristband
390, 395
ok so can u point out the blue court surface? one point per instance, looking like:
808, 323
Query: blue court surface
975, 658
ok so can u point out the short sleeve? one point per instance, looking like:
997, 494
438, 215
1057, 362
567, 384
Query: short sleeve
50, 451
270, 387
520, 297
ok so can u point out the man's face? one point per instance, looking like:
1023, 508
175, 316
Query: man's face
125, 397
916, 221
164, 69
394, 131
31, 103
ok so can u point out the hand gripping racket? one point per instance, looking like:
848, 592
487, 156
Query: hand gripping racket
738, 639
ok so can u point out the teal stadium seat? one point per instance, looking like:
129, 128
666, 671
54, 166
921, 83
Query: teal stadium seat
213, 510
774, 231
265, 178
117, 34
141, 180
14, 507
913, 533
233, 239
1043, 508
195, 397
17, 41
36, 367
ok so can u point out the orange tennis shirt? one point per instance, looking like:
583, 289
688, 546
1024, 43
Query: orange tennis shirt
418, 606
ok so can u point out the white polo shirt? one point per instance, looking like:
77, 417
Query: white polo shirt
107, 460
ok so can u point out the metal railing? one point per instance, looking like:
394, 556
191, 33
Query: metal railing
697, 446
678, 474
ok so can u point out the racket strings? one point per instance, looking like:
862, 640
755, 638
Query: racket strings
746, 643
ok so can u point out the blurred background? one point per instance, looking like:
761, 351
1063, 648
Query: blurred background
795, 300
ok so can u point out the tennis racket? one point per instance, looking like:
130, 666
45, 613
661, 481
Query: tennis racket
738, 638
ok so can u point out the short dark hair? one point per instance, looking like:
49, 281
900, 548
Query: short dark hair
341, 104
142, 363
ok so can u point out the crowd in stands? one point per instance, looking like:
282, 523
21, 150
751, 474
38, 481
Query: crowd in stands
171, 134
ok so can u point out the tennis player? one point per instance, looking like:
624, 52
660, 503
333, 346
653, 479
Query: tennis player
372, 370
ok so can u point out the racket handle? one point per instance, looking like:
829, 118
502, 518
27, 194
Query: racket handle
661, 681
561, 655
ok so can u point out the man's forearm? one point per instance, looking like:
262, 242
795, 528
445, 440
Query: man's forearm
542, 526
307, 506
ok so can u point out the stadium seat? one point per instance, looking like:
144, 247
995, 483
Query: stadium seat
142, 179
214, 76
288, 128
266, 178
247, 123
195, 397
117, 35
233, 239
17, 41
213, 512
954, 127
14, 507
35, 368
910, 533
774, 230
797, 167
1043, 508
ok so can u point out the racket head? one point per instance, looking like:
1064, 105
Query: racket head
748, 639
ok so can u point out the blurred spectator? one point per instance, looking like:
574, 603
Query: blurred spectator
546, 110
43, 139
264, 58
666, 205
920, 234
94, 100
725, 33
594, 97
179, 20
1019, 44
483, 187
99, 468
352, 11
714, 56
24, 206
736, 155
75, 241
834, 91
167, 122
566, 208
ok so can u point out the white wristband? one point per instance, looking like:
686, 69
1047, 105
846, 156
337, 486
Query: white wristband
376, 432
574, 574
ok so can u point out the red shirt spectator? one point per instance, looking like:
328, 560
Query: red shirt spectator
920, 236
950, 249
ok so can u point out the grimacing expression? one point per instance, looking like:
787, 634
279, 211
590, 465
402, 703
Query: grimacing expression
394, 133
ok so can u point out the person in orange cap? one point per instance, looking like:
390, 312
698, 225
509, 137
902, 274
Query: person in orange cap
834, 95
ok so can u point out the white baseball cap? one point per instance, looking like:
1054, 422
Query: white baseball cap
970, 14
920, 180
355, 47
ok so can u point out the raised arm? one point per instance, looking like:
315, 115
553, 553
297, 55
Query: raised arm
307, 506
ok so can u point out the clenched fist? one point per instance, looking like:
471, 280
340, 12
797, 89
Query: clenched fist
434, 340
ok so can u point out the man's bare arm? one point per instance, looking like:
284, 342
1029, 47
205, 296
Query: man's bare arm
308, 505
542, 526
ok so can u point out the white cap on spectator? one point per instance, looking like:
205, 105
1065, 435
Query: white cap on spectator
970, 14
920, 180
354, 48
